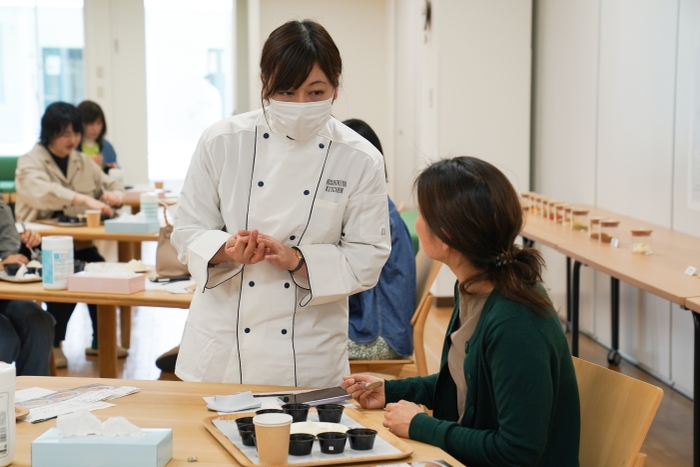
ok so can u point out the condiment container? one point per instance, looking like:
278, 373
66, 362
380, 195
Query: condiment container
543, 206
56, 261
594, 230
641, 241
7, 413
608, 230
567, 216
560, 213
525, 200
552, 214
579, 219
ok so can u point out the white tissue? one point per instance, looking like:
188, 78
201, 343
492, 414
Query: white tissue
21, 272
80, 423
84, 423
119, 426
234, 403
108, 270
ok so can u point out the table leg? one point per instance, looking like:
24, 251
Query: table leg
568, 294
614, 357
126, 253
575, 286
107, 335
136, 250
696, 387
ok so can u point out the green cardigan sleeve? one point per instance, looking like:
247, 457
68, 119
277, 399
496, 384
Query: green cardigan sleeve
522, 386
419, 389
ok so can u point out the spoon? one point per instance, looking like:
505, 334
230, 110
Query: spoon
375, 385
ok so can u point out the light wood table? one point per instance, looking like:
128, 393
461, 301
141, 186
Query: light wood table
177, 405
106, 311
661, 273
129, 245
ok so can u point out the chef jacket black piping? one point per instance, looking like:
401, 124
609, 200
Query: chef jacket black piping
294, 349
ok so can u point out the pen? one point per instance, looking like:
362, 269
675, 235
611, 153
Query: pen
169, 279
44, 419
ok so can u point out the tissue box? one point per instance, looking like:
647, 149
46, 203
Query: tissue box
81, 282
142, 226
153, 449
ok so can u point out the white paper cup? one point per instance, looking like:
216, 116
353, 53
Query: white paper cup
93, 217
272, 437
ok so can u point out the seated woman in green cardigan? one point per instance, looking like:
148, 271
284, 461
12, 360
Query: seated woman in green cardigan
506, 393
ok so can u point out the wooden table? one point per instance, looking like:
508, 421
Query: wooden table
177, 405
106, 311
661, 273
129, 245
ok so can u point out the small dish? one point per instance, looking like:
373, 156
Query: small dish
332, 442
361, 439
30, 278
301, 444
20, 412
314, 428
12, 268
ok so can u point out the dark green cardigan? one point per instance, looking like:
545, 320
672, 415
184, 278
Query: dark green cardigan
522, 405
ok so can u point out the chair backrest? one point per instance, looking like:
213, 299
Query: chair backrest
616, 413
426, 271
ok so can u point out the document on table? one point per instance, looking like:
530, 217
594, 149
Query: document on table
45, 405
177, 287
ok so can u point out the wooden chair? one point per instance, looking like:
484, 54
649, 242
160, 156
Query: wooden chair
616, 413
426, 272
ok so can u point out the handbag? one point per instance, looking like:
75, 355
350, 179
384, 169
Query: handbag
167, 263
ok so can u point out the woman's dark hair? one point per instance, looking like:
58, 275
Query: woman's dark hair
290, 53
92, 112
56, 119
472, 207
363, 129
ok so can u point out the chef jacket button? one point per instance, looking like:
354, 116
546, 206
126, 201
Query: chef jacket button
306, 192
261, 183
284, 331
342, 233
292, 237
466, 346
469, 376
247, 330
321, 145
251, 283
266, 135
286, 285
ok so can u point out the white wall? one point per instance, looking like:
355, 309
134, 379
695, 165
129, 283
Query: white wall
115, 78
613, 128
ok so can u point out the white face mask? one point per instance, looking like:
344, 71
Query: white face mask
300, 120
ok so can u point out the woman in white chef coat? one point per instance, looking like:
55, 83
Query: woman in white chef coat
283, 215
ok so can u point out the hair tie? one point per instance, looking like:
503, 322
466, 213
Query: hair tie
503, 259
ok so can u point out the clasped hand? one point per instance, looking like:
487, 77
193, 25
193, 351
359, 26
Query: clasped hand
250, 247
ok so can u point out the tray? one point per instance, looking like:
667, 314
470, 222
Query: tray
6, 278
404, 449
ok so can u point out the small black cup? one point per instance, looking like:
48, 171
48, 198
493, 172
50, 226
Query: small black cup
244, 421
361, 439
299, 412
332, 442
36, 271
300, 444
262, 411
12, 268
247, 433
78, 265
331, 413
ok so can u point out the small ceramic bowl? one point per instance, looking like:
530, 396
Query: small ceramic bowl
299, 412
247, 433
361, 439
300, 444
12, 268
331, 413
332, 442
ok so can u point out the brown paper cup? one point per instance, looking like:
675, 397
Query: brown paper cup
272, 437
93, 217
159, 185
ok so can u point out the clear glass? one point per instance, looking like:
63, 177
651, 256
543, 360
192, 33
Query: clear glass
560, 213
543, 206
189, 78
641, 241
525, 200
552, 211
41, 62
579, 220
608, 230
567, 216
594, 228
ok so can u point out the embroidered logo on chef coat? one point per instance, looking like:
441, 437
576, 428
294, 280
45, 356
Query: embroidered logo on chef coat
335, 186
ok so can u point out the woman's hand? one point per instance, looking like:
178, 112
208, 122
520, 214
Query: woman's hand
14, 259
91, 203
30, 238
98, 159
113, 198
368, 398
398, 417
281, 256
245, 247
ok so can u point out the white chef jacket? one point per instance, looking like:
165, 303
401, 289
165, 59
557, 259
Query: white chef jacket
255, 324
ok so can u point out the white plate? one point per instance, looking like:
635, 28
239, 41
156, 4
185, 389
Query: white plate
314, 428
5, 277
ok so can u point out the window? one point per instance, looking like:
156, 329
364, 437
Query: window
189, 78
41, 61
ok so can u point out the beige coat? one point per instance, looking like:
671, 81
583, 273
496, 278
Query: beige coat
42, 188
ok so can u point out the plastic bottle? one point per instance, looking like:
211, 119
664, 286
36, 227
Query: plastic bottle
56, 261
7, 413
149, 206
